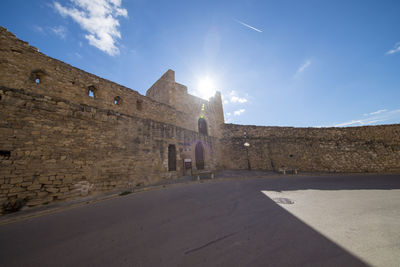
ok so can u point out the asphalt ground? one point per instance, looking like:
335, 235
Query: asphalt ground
319, 220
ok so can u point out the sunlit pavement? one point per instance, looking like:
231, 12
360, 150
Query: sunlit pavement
345, 220
364, 222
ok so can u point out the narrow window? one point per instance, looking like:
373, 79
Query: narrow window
5, 154
171, 158
91, 91
117, 100
139, 104
37, 75
202, 126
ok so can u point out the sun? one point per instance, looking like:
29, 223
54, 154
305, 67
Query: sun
206, 87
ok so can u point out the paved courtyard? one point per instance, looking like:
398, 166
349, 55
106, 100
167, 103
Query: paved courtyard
264, 220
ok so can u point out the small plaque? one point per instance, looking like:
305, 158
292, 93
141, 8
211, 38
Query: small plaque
188, 163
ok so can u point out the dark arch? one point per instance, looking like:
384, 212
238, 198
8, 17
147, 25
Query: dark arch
199, 155
202, 126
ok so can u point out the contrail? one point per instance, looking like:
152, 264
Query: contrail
248, 26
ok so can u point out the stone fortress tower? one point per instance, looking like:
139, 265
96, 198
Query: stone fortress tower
65, 133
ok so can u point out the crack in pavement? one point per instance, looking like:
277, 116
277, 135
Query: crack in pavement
210, 243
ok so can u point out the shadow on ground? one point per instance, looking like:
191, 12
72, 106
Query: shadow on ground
211, 224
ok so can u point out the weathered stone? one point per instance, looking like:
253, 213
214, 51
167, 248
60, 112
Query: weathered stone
16, 180
16, 189
52, 189
44, 180
6, 186
42, 194
25, 184
64, 189
57, 182
37, 201
35, 186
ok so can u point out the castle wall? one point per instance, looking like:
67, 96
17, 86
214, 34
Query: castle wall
60, 149
22, 64
57, 142
352, 149
191, 108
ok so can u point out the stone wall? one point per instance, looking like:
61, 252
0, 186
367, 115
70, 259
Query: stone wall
60, 141
191, 108
352, 149
23, 66
60, 150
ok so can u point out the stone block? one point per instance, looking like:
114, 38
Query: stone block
35, 202
51, 189
44, 180
6, 186
16, 189
25, 184
16, 180
42, 194
64, 189
34, 186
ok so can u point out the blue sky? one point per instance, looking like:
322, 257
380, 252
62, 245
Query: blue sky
280, 63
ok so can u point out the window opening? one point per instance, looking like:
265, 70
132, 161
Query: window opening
139, 104
91, 91
117, 100
199, 155
37, 75
5, 154
171, 158
202, 126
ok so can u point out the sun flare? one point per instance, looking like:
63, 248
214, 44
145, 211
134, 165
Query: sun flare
206, 87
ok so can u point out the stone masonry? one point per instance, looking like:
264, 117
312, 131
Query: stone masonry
66, 133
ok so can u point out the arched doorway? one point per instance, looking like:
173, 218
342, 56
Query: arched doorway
171, 158
199, 155
202, 126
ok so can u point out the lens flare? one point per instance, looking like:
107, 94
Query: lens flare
206, 87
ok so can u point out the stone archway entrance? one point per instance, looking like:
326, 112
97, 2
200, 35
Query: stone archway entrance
199, 156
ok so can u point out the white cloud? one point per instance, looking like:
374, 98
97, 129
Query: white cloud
234, 98
396, 49
239, 112
379, 116
99, 18
248, 26
303, 67
375, 112
61, 31
38, 29
228, 114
